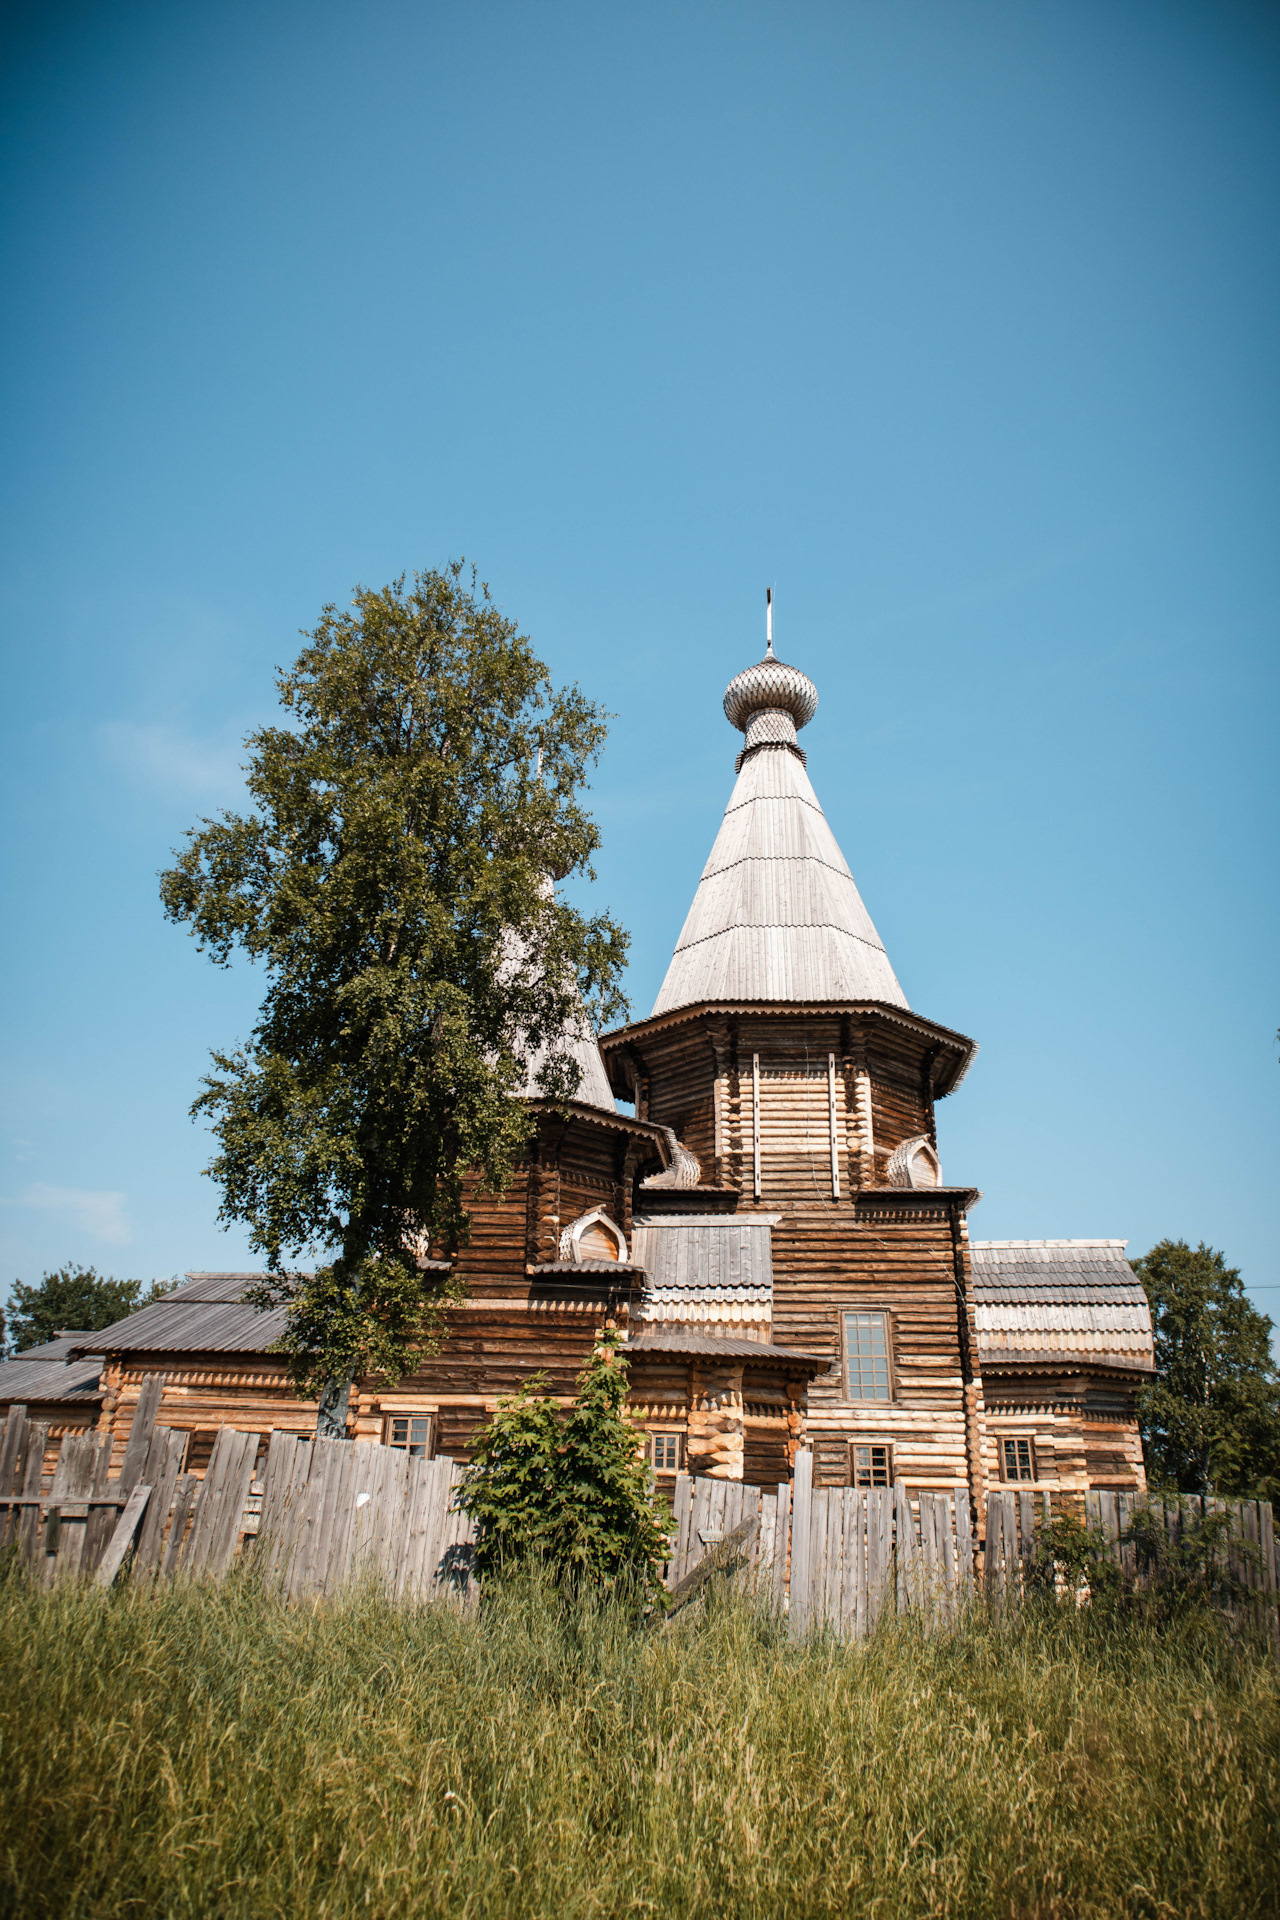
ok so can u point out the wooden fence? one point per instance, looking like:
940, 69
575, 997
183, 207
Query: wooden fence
324, 1514
838, 1557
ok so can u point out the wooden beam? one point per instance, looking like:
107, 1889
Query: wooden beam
122, 1539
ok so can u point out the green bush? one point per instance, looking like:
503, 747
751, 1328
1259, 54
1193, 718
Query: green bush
209, 1752
572, 1493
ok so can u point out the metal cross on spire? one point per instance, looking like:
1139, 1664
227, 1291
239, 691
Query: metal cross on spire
768, 623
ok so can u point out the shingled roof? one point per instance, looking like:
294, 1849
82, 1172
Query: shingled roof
208, 1314
776, 915
46, 1373
1052, 1302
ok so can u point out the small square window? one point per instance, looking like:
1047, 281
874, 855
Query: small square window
1018, 1457
866, 1356
412, 1432
664, 1452
872, 1466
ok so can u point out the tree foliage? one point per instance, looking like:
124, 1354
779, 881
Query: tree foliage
1210, 1420
76, 1298
392, 881
572, 1491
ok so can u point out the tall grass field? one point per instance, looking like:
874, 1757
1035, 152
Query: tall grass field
210, 1752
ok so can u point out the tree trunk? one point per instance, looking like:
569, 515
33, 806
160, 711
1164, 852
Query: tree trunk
331, 1414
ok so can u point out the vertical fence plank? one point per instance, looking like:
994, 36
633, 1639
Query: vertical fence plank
28, 1530
879, 1551
1026, 1530
139, 1442
819, 1500
766, 1536
102, 1520
202, 1514
845, 1606
861, 1538
964, 1541
832, 1600
944, 1510
1267, 1551
284, 1479
781, 1545
185, 1494
417, 1515
802, 1502
907, 1549
164, 1464
80, 1453
433, 1547
752, 1509
681, 1508
13, 1449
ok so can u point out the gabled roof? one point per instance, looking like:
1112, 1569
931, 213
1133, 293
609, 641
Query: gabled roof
58, 1348
777, 915
28, 1382
208, 1314
1046, 1302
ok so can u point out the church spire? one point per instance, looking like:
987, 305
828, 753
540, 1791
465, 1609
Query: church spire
777, 915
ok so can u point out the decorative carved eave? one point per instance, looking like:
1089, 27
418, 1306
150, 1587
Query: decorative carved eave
652, 1136
658, 1202
915, 1199
955, 1056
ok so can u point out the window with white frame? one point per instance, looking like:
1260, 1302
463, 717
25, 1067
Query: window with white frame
413, 1433
666, 1452
872, 1464
867, 1371
1017, 1457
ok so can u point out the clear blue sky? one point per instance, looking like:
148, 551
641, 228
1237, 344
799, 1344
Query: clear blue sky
955, 321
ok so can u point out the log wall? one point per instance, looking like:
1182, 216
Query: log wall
1084, 1430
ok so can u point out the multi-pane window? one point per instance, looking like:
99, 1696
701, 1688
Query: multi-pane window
664, 1452
1019, 1458
410, 1431
866, 1356
872, 1466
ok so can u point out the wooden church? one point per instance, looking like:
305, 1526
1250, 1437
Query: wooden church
749, 1185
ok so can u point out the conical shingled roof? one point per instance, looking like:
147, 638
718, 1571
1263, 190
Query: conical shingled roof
580, 1043
578, 1040
777, 915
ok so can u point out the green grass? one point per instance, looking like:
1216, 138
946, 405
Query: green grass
209, 1752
